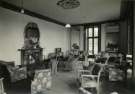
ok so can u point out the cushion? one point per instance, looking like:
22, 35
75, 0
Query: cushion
17, 73
116, 74
42, 81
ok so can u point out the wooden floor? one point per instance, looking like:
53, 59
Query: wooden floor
65, 83
120, 87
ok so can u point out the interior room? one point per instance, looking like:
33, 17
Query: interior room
67, 47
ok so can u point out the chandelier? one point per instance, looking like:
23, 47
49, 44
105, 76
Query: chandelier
68, 4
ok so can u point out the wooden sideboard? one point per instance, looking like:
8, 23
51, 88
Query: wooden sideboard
30, 56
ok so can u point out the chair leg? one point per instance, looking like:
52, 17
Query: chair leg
1, 86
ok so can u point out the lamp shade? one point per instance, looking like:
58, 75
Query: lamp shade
22, 11
67, 25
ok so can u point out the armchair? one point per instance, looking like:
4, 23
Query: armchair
17, 73
81, 71
42, 81
1, 86
68, 63
91, 79
116, 69
78, 69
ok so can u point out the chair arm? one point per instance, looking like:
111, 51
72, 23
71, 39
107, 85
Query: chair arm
2, 91
1, 78
81, 72
84, 71
92, 76
84, 91
101, 64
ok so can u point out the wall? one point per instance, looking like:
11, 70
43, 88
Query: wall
11, 35
123, 37
81, 39
103, 37
109, 34
112, 38
75, 36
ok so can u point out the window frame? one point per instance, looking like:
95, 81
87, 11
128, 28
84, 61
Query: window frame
93, 37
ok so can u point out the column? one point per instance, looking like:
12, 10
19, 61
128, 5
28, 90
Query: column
134, 45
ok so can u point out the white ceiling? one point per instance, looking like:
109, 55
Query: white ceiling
89, 10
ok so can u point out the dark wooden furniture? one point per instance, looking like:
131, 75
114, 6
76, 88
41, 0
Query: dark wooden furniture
4, 73
30, 56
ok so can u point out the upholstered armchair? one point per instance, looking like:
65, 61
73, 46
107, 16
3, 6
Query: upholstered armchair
1, 86
69, 62
42, 82
17, 73
81, 72
90, 79
116, 69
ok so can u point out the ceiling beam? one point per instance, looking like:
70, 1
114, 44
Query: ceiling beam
96, 23
28, 12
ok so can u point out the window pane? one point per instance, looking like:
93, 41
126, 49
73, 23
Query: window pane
95, 45
90, 46
90, 32
95, 31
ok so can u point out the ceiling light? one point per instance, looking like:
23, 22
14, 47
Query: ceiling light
22, 9
68, 4
114, 92
67, 25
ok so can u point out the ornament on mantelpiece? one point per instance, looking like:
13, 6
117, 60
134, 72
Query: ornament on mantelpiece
31, 36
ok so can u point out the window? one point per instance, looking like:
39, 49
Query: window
93, 40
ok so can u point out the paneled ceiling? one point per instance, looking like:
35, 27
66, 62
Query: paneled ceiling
89, 11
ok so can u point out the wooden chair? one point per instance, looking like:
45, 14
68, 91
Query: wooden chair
91, 79
78, 69
1, 86
68, 63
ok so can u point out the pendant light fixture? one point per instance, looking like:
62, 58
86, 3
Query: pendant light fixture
68, 26
22, 9
68, 29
